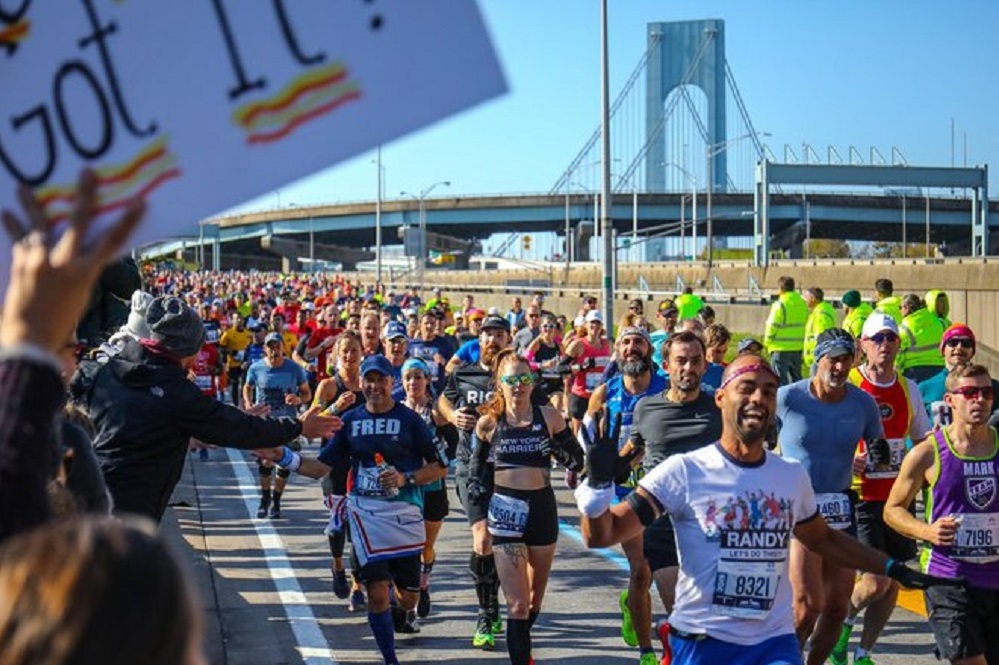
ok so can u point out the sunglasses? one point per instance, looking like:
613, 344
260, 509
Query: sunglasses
882, 337
548, 326
533, 316
962, 342
635, 308
518, 379
974, 392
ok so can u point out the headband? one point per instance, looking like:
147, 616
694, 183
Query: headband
755, 367
825, 347
416, 363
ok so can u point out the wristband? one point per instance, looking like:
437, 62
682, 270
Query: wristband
593, 502
888, 564
290, 460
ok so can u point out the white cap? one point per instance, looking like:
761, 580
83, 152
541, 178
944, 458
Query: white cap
579, 322
594, 315
494, 311
877, 322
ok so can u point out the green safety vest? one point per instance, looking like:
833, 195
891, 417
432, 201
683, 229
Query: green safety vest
892, 306
822, 318
786, 323
688, 306
931, 304
853, 322
919, 341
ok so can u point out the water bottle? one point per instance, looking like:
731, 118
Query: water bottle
382, 467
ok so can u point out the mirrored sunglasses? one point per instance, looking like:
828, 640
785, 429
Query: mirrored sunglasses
518, 379
974, 392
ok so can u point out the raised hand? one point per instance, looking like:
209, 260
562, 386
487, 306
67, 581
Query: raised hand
601, 452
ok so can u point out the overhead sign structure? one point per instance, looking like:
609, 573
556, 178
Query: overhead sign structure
199, 105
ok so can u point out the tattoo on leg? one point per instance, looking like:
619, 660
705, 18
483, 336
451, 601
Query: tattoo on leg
516, 552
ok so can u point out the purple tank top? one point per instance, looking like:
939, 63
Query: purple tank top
969, 488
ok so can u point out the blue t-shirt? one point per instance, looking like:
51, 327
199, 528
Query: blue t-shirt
271, 384
823, 436
426, 351
254, 353
469, 351
399, 434
713, 375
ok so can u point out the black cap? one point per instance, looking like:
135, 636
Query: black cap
493, 321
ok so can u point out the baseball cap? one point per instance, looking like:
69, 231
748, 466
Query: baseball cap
495, 322
834, 342
957, 331
579, 322
376, 363
394, 330
747, 342
851, 298
877, 322
308, 306
273, 337
494, 311
477, 314
594, 315
635, 331
667, 305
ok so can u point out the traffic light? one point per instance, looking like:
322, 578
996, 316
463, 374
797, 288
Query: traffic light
527, 243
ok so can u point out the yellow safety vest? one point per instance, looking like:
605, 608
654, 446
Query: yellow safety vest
786, 323
688, 306
822, 318
919, 341
853, 322
892, 306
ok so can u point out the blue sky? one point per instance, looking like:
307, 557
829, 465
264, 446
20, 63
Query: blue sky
886, 73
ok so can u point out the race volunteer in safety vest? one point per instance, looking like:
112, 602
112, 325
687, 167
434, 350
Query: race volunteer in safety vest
960, 466
919, 335
392, 454
857, 312
590, 355
938, 303
822, 419
468, 388
688, 304
617, 398
884, 300
821, 317
784, 338
902, 416
734, 507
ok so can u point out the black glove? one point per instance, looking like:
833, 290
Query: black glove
913, 579
477, 490
879, 452
602, 459
591, 362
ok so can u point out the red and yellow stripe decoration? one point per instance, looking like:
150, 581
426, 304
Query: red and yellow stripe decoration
309, 96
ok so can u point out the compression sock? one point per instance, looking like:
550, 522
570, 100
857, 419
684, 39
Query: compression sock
265, 497
518, 641
384, 631
484, 573
532, 617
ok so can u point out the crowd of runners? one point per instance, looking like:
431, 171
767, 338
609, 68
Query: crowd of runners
773, 513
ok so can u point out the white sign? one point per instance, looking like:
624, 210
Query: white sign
200, 105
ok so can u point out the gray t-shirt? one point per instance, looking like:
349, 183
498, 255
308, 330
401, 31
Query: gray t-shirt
524, 337
670, 428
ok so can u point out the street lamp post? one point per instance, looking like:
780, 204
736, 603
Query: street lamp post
609, 257
693, 207
422, 221
378, 217
711, 151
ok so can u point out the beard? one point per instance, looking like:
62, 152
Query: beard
636, 366
489, 354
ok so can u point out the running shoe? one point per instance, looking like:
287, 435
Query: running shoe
497, 625
262, 509
627, 627
275, 512
662, 630
357, 602
648, 658
423, 605
483, 637
341, 587
398, 617
839, 654
863, 660
410, 624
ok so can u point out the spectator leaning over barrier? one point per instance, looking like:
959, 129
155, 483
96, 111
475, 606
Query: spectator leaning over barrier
857, 312
884, 299
938, 303
920, 334
784, 338
821, 317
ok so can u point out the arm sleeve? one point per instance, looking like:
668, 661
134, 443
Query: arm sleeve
30, 395
220, 424
427, 444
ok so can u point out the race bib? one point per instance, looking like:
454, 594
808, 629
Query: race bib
366, 483
836, 508
507, 516
204, 382
891, 471
977, 538
746, 589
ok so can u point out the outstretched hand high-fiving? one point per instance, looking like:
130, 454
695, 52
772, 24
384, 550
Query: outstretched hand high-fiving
602, 459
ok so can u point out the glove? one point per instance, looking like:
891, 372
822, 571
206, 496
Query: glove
913, 579
879, 452
602, 459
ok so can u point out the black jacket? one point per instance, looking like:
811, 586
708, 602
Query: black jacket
145, 411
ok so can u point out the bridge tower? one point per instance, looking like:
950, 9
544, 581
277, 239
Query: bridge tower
691, 53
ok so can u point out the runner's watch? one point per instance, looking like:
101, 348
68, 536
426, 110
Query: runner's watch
410, 478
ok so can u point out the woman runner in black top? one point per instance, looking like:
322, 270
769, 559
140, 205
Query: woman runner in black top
337, 395
520, 440
544, 352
